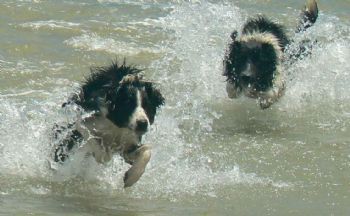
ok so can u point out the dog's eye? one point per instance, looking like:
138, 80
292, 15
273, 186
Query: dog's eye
127, 102
255, 54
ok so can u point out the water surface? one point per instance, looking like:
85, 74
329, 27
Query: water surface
211, 155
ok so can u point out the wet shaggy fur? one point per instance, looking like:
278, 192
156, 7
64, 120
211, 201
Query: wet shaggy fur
121, 106
253, 62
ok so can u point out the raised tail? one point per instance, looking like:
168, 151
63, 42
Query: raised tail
308, 16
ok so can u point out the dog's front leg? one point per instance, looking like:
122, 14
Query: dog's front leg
95, 147
139, 159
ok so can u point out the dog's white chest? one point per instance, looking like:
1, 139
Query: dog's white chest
111, 136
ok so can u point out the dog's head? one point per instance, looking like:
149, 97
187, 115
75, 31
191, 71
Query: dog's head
252, 62
133, 104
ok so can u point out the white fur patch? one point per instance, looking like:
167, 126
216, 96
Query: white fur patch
139, 113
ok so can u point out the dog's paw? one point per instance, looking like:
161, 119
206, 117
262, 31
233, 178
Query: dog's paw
132, 176
232, 90
140, 158
265, 103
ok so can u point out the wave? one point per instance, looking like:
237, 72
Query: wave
50, 24
94, 42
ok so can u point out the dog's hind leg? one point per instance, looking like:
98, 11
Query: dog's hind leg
303, 48
70, 140
139, 159
94, 147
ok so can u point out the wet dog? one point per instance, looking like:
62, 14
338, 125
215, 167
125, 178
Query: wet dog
253, 64
121, 106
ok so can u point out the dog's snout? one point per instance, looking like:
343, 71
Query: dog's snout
141, 125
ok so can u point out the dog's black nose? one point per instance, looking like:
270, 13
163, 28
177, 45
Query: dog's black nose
141, 125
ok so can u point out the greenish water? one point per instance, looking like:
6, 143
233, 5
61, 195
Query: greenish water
211, 155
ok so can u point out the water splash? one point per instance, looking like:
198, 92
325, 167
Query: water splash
94, 42
323, 77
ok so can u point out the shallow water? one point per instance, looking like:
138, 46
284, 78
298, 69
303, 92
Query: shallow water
211, 155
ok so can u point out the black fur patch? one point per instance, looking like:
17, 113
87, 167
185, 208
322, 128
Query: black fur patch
265, 60
68, 138
121, 104
151, 100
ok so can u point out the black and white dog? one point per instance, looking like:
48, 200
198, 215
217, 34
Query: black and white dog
253, 64
122, 106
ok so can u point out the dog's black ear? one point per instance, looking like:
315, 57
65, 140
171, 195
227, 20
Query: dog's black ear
155, 100
234, 62
154, 95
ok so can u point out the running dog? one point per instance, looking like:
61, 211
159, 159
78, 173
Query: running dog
122, 106
253, 62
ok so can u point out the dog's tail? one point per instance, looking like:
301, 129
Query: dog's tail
308, 16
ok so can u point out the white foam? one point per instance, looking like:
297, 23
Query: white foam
94, 42
51, 24
323, 77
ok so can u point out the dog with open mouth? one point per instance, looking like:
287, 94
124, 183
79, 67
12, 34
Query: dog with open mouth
121, 105
253, 64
